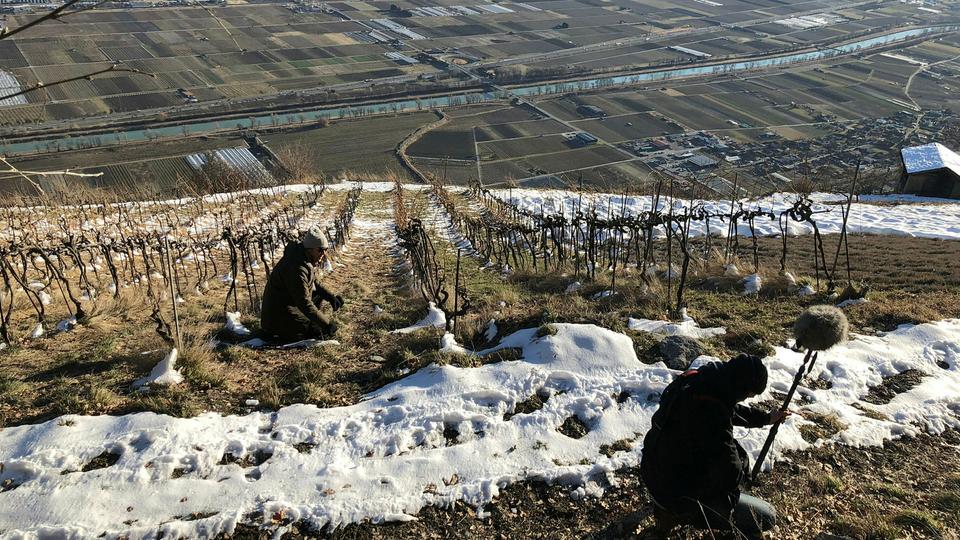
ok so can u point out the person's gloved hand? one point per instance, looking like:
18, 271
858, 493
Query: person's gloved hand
337, 302
777, 416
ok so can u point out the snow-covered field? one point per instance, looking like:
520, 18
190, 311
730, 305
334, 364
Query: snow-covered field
437, 436
910, 216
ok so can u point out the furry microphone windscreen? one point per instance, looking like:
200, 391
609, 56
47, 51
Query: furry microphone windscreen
820, 327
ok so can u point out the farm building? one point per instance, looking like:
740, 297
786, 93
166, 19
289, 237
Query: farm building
699, 163
586, 138
591, 110
932, 170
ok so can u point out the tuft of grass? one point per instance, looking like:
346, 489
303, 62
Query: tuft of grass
235, 355
947, 501
826, 484
917, 519
453, 359
864, 527
198, 363
103, 399
170, 400
824, 426
270, 395
890, 490
96, 399
321, 395
9, 385
546, 330
64, 399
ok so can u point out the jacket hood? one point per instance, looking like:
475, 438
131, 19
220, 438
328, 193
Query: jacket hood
734, 380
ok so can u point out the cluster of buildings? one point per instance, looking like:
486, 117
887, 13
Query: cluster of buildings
681, 153
771, 161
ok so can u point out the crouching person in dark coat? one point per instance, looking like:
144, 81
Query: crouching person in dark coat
692, 465
293, 294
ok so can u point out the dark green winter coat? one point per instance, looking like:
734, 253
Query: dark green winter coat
292, 298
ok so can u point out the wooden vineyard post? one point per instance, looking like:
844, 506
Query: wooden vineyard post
456, 294
173, 292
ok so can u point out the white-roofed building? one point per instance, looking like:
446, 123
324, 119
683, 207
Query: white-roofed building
931, 170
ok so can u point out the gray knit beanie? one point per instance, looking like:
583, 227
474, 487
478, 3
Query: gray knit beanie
315, 238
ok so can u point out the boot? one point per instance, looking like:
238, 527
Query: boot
665, 521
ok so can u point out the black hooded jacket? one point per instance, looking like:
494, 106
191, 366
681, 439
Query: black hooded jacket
291, 295
689, 454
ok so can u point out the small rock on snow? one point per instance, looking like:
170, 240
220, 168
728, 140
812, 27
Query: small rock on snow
679, 351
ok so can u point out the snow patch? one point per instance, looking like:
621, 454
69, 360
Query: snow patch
602, 294
435, 437
687, 327
902, 215
491, 331
852, 302
752, 284
67, 324
448, 344
164, 373
435, 318
234, 326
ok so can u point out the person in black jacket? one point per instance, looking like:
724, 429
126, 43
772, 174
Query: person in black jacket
293, 294
692, 466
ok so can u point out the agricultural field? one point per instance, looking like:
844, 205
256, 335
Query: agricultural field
239, 52
230, 52
350, 146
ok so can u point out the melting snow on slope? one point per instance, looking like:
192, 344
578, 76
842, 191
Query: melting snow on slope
387, 457
491, 332
687, 327
448, 344
234, 326
164, 373
911, 216
752, 284
435, 318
